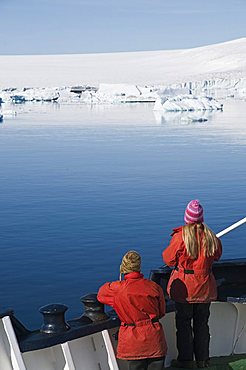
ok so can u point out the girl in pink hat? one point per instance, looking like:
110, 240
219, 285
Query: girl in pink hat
192, 250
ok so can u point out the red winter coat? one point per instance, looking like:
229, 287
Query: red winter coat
137, 301
196, 287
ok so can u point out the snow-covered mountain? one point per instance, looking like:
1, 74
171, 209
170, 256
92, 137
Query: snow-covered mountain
221, 64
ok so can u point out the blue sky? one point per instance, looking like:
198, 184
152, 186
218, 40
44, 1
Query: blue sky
91, 26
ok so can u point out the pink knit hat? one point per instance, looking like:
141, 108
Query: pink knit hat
193, 212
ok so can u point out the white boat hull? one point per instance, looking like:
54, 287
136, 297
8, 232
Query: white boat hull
97, 351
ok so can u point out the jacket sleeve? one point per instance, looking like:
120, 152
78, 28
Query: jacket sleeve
106, 293
219, 251
162, 304
170, 253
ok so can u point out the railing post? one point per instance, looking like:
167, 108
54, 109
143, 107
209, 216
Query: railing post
232, 227
15, 354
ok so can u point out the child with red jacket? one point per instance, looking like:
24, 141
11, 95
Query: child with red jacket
192, 251
139, 303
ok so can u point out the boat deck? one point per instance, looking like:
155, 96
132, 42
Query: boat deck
235, 362
89, 341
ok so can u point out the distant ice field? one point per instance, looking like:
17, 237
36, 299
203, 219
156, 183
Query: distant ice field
226, 60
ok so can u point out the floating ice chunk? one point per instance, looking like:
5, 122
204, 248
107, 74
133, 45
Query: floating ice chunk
124, 93
8, 113
46, 94
187, 103
193, 119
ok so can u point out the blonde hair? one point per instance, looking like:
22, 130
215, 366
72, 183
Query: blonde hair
194, 243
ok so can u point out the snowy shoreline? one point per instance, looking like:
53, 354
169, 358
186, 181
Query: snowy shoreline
216, 70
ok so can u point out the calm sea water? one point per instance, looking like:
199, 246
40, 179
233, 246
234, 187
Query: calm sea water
82, 185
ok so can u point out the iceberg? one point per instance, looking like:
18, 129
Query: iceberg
186, 103
124, 93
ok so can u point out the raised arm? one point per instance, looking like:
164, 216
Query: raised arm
107, 292
170, 253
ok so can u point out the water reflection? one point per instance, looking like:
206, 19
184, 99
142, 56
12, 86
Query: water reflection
184, 118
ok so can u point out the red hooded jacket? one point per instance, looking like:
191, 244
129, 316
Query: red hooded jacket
140, 303
192, 280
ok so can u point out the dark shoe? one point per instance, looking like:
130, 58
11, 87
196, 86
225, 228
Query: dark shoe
182, 364
202, 364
